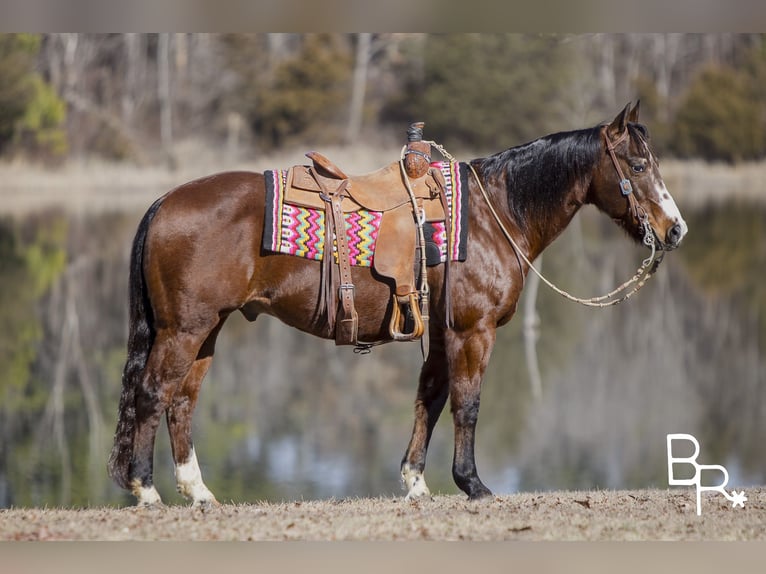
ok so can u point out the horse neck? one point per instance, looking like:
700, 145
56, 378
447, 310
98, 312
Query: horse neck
545, 228
540, 186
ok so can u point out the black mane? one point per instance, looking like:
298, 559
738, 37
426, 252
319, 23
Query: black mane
539, 172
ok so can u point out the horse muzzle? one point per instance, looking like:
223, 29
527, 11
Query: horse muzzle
673, 236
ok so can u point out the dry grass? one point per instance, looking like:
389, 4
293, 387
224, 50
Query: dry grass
594, 516
696, 183
96, 187
93, 186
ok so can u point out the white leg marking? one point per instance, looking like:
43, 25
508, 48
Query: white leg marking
146, 495
189, 482
415, 483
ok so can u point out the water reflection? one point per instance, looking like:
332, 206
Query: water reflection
683, 356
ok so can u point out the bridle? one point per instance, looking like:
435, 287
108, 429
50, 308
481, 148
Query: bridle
626, 188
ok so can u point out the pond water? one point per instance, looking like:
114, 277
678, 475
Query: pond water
684, 355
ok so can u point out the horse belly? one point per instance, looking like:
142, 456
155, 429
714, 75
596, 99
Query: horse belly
289, 288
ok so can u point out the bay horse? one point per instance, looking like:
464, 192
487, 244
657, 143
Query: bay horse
197, 258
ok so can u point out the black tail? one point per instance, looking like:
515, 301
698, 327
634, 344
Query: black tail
140, 339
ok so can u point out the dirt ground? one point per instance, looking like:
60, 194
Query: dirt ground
567, 516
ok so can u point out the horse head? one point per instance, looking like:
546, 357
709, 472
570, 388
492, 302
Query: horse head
628, 185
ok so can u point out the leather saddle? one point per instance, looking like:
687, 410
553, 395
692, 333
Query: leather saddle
325, 186
382, 190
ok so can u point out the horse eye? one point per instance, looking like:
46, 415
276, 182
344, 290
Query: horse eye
638, 168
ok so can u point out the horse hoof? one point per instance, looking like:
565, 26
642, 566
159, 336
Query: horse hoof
418, 495
150, 505
207, 504
418, 490
481, 494
415, 483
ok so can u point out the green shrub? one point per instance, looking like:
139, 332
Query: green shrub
41, 129
17, 56
486, 91
308, 93
31, 114
654, 110
719, 118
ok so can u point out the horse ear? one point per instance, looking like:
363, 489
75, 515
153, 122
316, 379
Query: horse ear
633, 115
620, 123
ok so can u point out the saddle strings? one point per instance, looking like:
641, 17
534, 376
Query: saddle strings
424, 290
645, 271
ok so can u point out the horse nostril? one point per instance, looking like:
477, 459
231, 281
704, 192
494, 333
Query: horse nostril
674, 234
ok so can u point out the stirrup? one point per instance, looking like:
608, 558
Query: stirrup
397, 319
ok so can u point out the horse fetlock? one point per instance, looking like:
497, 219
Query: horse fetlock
189, 482
415, 483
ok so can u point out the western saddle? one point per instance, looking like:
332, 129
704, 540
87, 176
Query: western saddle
407, 193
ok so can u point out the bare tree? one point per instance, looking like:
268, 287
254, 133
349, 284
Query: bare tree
359, 86
70, 357
164, 93
135, 48
606, 68
532, 331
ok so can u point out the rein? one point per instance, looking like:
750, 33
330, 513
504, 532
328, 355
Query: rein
645, 271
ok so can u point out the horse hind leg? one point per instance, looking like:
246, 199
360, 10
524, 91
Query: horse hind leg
179, 418
170, 360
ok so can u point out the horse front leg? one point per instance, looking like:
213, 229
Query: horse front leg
433, 389
468, 354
